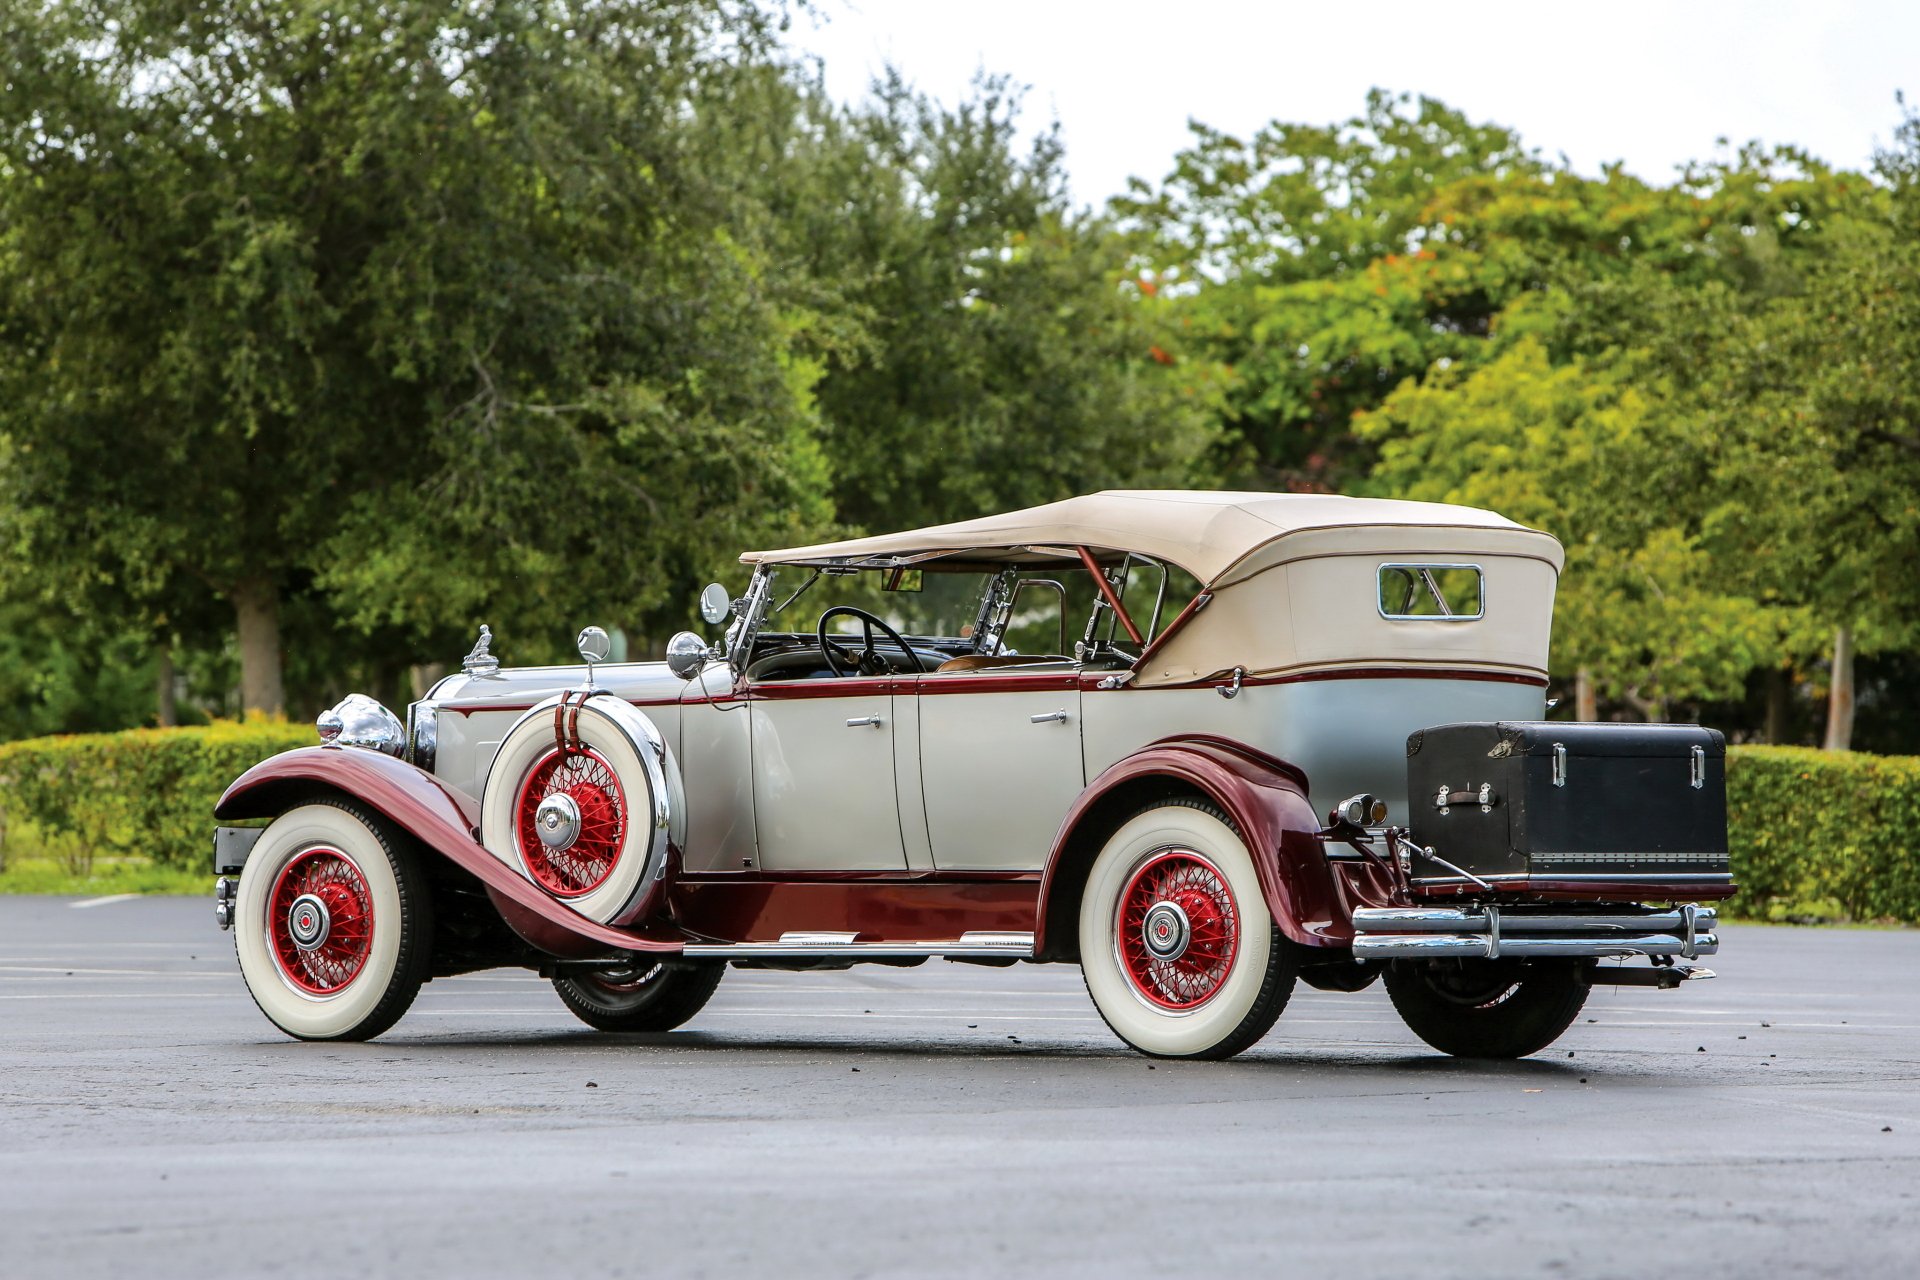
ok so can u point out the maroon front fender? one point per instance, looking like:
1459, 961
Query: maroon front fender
1264, 797
440, 817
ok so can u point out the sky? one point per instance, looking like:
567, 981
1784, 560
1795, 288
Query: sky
1651, 85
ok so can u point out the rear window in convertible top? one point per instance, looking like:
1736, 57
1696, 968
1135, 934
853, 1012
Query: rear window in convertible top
1432, 592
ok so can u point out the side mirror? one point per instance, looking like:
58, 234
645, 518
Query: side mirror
686, 652
715, 604
594, 645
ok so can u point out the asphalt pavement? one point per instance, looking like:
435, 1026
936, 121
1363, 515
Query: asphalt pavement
942, 1121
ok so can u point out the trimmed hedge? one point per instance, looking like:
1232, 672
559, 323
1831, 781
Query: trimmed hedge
1823, 833
1814, 833
145, 792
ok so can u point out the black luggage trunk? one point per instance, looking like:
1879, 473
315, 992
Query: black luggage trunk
1572, 802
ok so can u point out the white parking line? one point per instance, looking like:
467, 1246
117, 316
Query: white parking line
144, 996
118, 973
772, 1013
101, 902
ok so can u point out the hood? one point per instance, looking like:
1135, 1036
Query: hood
524, 686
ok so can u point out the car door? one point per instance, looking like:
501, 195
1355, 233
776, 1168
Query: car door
1000, 764
823, 775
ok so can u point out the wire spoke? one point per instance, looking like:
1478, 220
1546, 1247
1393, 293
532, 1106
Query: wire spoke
584, 777
332, 963
1186, 880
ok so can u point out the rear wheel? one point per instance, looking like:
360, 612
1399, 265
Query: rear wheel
1487, 1008
652, 997
332, 923
1178, 950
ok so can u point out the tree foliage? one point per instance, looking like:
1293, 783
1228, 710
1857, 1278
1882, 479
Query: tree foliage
1703, 388
391, 316
335, 327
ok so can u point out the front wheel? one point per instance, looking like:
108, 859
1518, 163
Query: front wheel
333, 923
1487, 1008
652, 997
1177, 947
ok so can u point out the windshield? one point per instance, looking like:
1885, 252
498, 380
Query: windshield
1052, 609
914, 602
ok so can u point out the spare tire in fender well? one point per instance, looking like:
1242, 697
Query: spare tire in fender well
627, 769
1265, 800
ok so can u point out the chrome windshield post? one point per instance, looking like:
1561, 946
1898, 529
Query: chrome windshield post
750, 616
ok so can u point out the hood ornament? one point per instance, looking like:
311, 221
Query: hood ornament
480, 662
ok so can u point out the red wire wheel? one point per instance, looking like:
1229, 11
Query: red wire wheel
320, 921
1178, 930
598, 821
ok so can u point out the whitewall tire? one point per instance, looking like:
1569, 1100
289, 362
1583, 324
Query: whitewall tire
587, 824
333, 923
1177, 947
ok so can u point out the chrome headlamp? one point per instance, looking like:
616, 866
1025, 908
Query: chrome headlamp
358, 721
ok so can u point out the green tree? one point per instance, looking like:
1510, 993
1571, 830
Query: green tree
1599, 457
1817, 458
1005, 353
1306, 256
413, 306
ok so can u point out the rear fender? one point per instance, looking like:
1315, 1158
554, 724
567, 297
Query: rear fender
1265, 799
443, 819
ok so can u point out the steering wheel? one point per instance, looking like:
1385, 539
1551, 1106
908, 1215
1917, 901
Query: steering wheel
868, 661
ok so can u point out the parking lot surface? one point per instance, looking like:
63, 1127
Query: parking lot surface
941, 1121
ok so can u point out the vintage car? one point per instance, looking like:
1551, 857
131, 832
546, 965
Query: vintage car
1202, 745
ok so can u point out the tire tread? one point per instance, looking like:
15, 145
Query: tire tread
1533, 1017
685, 991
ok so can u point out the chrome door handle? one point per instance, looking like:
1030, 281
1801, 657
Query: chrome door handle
861, 722
1045, 716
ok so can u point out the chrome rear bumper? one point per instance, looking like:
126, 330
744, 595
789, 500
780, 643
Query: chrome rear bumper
1399, 933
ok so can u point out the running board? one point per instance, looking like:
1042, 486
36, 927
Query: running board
796, 946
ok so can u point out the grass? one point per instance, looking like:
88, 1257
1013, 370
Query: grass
109, 875
35, 862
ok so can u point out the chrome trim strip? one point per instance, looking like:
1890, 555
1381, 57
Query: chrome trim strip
802, 945
1708, 855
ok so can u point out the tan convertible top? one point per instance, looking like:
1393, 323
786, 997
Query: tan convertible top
1206, 533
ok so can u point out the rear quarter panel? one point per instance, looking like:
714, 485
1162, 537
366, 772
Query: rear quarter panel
1347, 731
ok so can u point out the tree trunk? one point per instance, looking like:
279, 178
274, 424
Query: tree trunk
1840, 693
1652, 710
1586, 706
256, 607
164, 714
422, 676
1779, 706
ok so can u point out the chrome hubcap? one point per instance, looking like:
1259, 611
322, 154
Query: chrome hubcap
1166, 931
308, 922
558, 822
